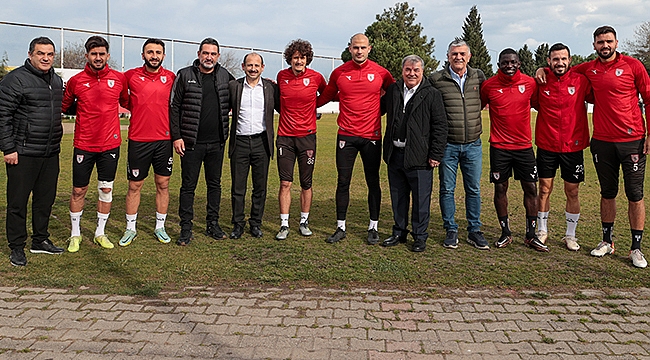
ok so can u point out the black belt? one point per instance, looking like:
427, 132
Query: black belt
254, 136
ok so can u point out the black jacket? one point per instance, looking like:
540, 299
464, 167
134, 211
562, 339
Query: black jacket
271, 102
426, 124
30, 112
185, 102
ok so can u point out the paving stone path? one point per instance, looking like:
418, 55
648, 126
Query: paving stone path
310, 323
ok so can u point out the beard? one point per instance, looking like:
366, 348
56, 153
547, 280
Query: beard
151, 66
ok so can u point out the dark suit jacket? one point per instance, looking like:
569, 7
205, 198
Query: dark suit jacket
271, 102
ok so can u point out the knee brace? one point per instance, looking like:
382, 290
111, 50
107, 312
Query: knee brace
105, 196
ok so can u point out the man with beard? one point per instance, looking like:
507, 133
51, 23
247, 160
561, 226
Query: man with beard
509, 95
253, 100
619, 136
561, 135
359, 84
198, 116
149, 138
30, 138
299, 87
97, 93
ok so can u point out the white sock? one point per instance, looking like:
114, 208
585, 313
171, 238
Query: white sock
304, 216
284, 220
160, 220
101, 223
373, 225
571, 223
75, 219
130, 221
542, 221
340, 224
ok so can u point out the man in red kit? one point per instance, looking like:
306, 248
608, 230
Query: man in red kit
509, 95
299, 88
149, 137
619, 136
561, 135
359, 84
97, 93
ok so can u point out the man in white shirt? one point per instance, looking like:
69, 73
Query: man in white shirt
253, 100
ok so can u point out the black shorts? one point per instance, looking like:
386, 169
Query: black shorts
305, 149
83, 163
142, 155
572, 165
609, 157
504, 162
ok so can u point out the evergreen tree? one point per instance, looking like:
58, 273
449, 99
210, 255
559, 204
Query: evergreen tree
473, 36
394, 35
541, 53
526, 59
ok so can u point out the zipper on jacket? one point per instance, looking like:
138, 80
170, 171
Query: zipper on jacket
49, 137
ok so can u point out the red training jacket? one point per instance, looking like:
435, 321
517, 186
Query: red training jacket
562, 125
298, 96
99, 95
617, 85
149, 103
509, 98
359, 89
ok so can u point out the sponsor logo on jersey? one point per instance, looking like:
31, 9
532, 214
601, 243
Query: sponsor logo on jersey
87, 85
80, 158
594, 71
305, 81
113, 155
371, 77
192, 81
500, 91
548, 93
349, 77
141, 78
522, 88
110, 83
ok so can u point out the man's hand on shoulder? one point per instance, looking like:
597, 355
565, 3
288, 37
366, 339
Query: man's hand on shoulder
540, 76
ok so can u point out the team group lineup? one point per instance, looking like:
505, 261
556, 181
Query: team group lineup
431, 122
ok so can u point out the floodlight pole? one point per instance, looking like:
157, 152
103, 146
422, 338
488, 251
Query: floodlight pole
108, 21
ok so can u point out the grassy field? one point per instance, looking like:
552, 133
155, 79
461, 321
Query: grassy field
147, 266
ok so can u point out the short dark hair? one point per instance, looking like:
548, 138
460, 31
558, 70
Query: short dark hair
303, 47
508, 51
253, 53
605, 29
558, 47
95, 42
154, 41
42, 40
210, 41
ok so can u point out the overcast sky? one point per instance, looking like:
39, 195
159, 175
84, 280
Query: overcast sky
326, 24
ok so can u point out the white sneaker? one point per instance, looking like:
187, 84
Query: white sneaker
571, 243
603, 249
637, 259
542, 236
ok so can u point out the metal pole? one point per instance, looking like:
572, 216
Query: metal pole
122, 52
172, 54
61, 49
108, 21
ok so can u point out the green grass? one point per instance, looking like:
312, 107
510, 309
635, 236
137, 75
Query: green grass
146, 266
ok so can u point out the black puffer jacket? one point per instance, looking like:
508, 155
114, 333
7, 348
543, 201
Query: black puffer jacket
30, 112
185, 102
426, 124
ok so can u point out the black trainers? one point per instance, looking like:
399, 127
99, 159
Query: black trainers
17, 257
534, 243
503, 241
185, 238
477, 239
373, 237
214, 231
338, 235
451, 241
45, 247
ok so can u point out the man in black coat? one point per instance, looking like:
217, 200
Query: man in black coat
30, 138
414, 143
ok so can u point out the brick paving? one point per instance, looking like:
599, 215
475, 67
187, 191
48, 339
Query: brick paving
310, 323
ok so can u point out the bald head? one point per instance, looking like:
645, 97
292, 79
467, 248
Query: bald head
359, 48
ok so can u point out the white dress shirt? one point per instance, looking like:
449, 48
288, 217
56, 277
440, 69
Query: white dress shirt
251, 110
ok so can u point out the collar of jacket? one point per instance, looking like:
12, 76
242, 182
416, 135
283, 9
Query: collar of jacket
447, 73
35, 71
100, 74
508, 80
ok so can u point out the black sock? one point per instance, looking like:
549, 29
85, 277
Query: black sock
608, 230
505, 225
636, 239
531, 223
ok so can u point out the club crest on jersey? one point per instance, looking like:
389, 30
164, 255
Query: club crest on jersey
619, 72
310, 153
572, 90
635, 157
110, 83
135, 172
305, 81
371, 77
163, 79
496, 175
341, 144
80, 158
522, 88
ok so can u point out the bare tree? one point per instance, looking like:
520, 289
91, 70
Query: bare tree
231, 62
640, 46
74, 56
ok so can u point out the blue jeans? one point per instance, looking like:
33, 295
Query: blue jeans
470, 158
